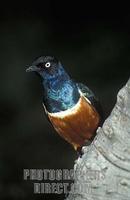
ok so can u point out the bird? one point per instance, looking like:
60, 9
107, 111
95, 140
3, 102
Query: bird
71, 107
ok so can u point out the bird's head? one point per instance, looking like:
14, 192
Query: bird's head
48, 67
60, 92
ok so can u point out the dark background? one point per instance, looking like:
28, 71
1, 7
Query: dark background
93, 43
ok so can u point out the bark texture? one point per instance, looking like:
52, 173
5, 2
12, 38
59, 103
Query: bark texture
103, 172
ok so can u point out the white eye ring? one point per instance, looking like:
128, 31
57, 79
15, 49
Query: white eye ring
48, 64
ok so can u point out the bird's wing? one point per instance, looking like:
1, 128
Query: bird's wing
89, 95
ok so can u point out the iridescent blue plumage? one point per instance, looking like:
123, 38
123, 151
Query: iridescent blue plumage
60, 97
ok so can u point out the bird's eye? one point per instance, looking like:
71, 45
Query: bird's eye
48, 64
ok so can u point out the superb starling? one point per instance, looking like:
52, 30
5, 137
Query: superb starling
71, 107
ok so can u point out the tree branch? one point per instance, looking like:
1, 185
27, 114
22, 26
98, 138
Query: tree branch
103, 172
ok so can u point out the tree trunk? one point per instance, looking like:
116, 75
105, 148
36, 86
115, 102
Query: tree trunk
103, 172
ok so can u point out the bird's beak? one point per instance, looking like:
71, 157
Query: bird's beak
32, 68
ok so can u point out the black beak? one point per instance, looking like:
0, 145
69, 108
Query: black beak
32, 68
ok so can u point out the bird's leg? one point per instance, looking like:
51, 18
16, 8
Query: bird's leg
79, 149
79, 152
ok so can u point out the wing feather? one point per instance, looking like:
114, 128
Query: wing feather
89, 95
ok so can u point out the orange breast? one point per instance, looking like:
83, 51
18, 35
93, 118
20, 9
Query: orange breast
78, 124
